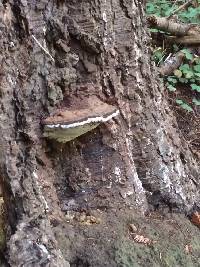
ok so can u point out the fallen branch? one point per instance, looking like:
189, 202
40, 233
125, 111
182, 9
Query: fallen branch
191, 40
175, 28
171, 63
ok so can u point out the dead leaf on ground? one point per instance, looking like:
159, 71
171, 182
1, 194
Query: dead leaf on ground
196, 218
143, 240
132, 227
188, 249
88, 220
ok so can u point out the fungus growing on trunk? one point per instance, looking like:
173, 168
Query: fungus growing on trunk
66, 125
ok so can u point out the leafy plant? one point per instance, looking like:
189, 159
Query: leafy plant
196, 101
164, 8
160, 8
189, 72
184, 105
185, 74
191, 15
158, 55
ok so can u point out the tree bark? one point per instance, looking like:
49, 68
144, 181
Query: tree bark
137, 159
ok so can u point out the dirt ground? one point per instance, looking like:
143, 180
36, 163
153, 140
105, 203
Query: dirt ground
97, 239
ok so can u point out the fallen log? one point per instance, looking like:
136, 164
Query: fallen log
171, 63
173, 27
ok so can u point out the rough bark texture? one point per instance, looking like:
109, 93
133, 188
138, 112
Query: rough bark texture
133, 161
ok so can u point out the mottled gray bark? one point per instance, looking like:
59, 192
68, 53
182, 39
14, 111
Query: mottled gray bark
89, 48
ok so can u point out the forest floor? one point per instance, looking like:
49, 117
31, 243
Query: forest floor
125, 238
98, 239
188, 122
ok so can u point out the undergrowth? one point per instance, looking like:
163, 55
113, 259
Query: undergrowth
188, 74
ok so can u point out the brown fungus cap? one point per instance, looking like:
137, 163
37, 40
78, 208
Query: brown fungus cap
66, 125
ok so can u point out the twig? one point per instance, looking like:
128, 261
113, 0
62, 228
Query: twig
161, 57
180, 8
174, 4
189, 40
45, 50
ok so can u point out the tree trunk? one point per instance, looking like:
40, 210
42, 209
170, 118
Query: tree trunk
55, 54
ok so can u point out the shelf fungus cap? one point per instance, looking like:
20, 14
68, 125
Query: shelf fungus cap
66, 125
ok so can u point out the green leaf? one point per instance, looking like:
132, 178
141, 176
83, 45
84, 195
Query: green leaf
168, 12
190, 15
197, 68
196, 101
187, 71
184, 67
153, 30
188, 54
183, 80
179, 101
189, 74
175, 47
172, 80
192, 12
195, 87
171, 88
157, 54
186, 107
150, 8
197, 60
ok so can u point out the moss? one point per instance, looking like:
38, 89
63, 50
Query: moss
171, 233
169, 249
176, 256
129, 254
195, 244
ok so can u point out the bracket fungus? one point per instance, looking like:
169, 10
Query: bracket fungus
66, 125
